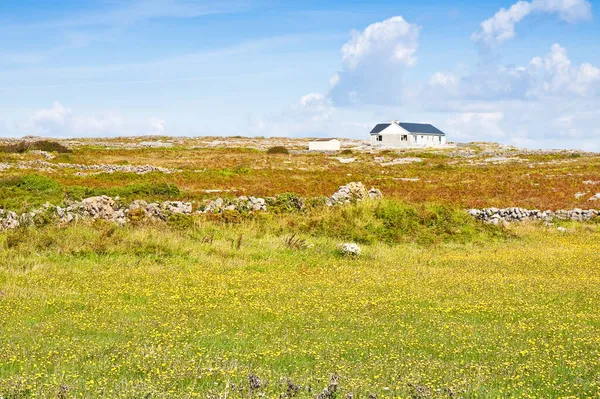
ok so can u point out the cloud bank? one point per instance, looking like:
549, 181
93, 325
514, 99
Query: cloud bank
60, 121
501, 26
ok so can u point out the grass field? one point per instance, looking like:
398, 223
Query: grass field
532, 180
437, 306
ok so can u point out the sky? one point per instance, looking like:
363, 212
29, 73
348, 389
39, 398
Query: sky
524, 73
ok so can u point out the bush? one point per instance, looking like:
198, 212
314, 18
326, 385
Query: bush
228, 217
346, 152
278, 150
394, 222
41, 145
315, 202
181, 222
130, 191
37, 183
238, 170
287, 202
20, 194
160, 189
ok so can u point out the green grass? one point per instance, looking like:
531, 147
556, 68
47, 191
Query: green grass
21, 193
150, 311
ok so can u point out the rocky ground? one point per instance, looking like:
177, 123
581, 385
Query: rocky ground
112, 210
473, 175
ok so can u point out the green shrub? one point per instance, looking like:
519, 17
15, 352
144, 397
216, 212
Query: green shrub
160, 189
394, 222
287, 202
347, 152
181, 222
278, 150
238, 170
37, 183
41, 145
315, 202
130, 191
64, 158
228, 217
20, 194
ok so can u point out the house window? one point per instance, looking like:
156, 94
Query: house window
404, 137
440, 138
380, 138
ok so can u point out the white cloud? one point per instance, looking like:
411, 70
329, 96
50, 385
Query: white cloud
317, 106
60, 121
548, 124
475, 126
334, 79
568, 10
311, 115
157, 126
563, 78
551, 75
373, 62
444, 79
501, 26
395, 38
549, 102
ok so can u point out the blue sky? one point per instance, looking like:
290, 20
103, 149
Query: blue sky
523, 73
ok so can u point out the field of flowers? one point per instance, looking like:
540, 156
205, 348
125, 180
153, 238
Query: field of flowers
231, 311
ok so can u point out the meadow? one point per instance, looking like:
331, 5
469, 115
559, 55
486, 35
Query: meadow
437, 306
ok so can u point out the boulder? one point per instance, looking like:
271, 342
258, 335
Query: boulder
101, 207
352, 192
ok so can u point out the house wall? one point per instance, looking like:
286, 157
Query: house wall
332, 145
392, 137
392, 140
428, 140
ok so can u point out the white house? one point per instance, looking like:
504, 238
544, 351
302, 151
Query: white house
324, 145
410, 135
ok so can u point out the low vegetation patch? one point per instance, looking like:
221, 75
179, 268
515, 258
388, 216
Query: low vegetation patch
129, 192
277, 150
32, 190
41, 145
392, 222
19, 193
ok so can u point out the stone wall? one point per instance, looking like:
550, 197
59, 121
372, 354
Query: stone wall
112, 210
496, 215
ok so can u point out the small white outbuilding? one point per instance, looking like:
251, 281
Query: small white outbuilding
324, 145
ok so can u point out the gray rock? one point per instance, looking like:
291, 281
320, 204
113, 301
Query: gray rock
352, 192
495, 215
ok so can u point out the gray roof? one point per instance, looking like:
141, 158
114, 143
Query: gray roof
379, 128
424, 128
415, 128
